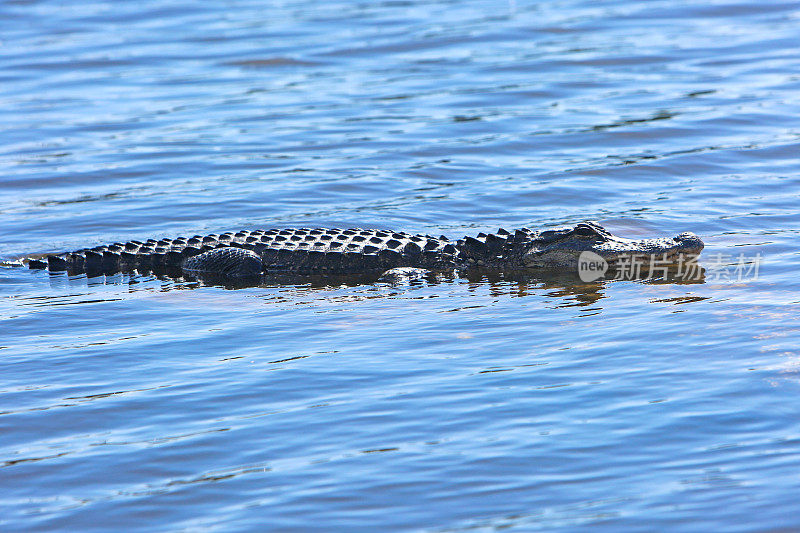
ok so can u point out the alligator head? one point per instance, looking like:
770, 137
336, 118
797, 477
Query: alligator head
561, 248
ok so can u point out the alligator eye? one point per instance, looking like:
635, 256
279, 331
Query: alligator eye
585, 231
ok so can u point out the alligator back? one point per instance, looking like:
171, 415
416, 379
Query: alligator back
301, 250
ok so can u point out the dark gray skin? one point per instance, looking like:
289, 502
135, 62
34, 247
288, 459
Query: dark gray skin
356, 251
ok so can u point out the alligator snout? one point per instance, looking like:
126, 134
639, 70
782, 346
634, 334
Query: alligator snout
688, 243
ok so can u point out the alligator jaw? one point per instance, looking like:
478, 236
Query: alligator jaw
563, 252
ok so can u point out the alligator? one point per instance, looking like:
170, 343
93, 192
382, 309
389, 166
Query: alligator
247, 254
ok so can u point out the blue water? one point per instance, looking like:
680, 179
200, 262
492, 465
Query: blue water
468, 404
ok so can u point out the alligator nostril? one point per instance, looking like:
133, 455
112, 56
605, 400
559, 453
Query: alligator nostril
689, 240
688, 237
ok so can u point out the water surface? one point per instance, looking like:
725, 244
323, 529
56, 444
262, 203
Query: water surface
466, 404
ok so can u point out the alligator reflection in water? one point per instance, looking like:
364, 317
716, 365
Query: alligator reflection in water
567, 288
